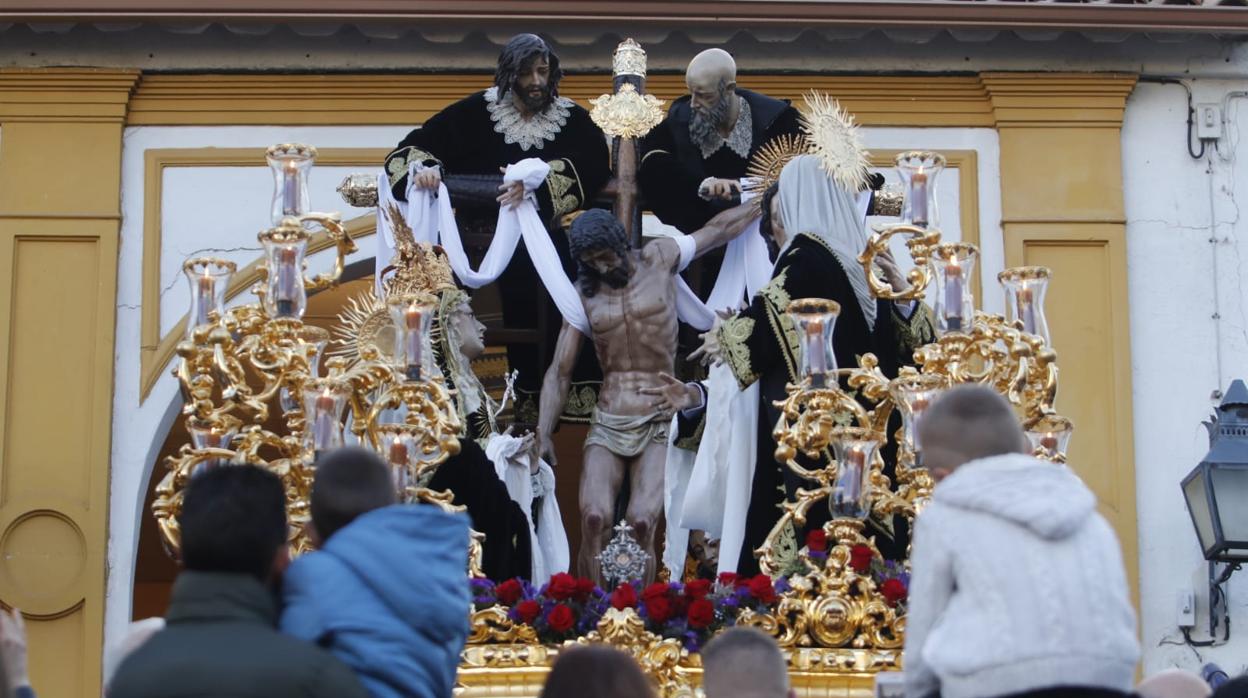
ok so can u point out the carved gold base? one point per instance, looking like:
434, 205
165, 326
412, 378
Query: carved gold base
498, 671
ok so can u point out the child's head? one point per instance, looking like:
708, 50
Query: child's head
967, 423
349, 482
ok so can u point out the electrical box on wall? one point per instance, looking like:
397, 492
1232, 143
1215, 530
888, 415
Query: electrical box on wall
1209, 121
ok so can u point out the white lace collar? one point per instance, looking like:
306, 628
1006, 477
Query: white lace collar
527, 133
741, 138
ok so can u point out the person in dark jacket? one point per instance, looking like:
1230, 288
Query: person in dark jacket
221, 637
387, 593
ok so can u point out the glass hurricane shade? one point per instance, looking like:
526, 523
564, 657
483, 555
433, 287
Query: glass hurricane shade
912, 400
208, 279
815, 319
290, 164
323, 403
205, 435
918, 171
851, 491
1025, 288
412, 317
953, 265
284, 251
1050, 438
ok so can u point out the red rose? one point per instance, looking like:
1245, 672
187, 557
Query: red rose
894, 591
860, 557
659, 609
509, 591
561, 618
817, 541
698, 588
584, 587
728, 579
624, 596
562, 587
528, 610
654, 591
761, 588
701, 613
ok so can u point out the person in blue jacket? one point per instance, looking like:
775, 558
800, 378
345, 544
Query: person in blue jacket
387, 592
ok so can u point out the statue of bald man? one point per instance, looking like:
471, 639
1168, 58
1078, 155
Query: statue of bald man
692, 161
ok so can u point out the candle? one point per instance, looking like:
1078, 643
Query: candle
287, 281
1027, 310
953, 294
1049, 443
398, 452
917, 408
856, 462
816, 350
324, 423
207, 288
290, 189
412, 337
918, 199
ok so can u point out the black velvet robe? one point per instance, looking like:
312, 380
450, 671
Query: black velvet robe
462, 139
761, 345
507, 551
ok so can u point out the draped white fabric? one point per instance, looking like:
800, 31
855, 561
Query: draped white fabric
711, 491
550, 540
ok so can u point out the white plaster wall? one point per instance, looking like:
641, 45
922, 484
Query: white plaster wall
208, 211
1181, 353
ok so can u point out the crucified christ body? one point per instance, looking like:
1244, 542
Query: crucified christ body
630, 299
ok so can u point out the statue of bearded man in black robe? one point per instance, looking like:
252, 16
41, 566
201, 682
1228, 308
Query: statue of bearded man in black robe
521, 116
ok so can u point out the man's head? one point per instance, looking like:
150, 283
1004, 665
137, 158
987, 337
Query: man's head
712, 81
967, 423
600, 247
771, 226
531, 69
234, 520
744, 662
349, 482
468, 332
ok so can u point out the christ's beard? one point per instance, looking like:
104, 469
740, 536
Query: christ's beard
617, 278
704, 124
535, 101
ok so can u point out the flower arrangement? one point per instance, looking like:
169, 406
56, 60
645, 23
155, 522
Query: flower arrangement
891, 578
567, 607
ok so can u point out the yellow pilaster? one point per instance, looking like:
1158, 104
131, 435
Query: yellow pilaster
1061, 191
60, 193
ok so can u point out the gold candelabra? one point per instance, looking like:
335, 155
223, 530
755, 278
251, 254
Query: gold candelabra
250, 375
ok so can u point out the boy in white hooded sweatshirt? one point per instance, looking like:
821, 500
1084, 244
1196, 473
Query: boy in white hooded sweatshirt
1017, 585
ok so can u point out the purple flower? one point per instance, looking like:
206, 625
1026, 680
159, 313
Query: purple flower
782, 585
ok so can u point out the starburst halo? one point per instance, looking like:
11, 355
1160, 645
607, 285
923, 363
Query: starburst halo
771, 157
834, 139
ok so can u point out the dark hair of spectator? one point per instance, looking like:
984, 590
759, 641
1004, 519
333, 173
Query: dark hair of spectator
518, 55
349, 482
596, 671
233, 520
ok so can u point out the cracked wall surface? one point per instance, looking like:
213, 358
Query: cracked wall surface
1189, 338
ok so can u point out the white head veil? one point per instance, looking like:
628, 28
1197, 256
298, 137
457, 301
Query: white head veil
812, 203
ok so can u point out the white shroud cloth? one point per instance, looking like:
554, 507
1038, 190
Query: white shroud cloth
550, 540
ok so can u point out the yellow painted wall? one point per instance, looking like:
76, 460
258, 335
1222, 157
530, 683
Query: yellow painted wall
60, 186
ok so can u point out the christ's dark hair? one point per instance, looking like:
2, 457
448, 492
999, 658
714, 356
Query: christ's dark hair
519, 53
595, 229
349, 482
233, 520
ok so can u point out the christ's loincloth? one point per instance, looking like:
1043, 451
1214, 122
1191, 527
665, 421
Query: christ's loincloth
628, 435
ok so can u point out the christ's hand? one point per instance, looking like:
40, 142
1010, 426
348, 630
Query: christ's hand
673, 395
892, 272
546, 449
